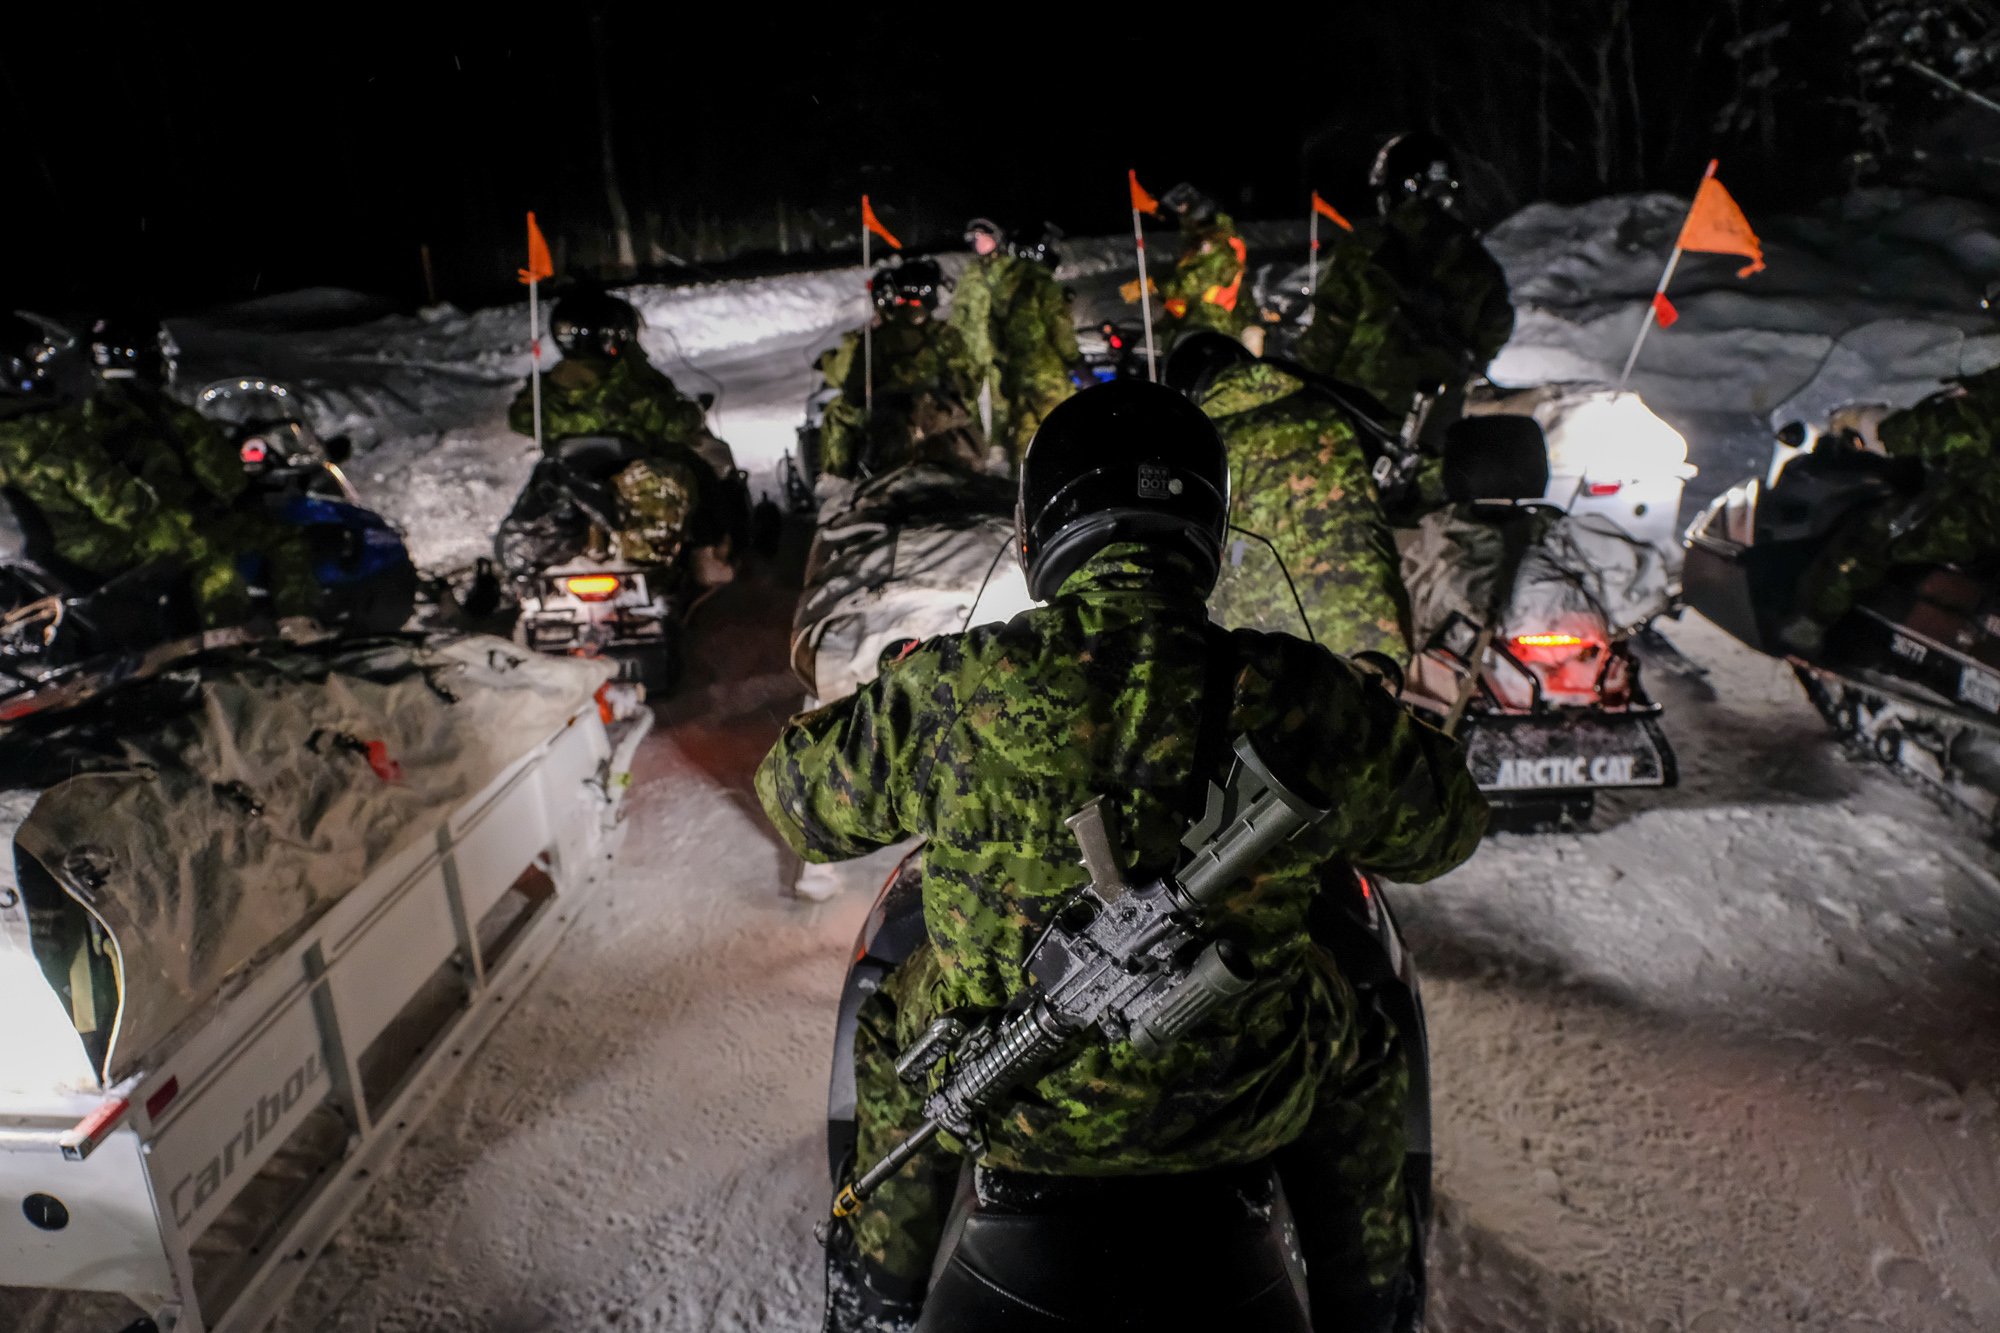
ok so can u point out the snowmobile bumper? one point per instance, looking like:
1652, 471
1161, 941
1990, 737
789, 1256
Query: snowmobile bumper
1532, 757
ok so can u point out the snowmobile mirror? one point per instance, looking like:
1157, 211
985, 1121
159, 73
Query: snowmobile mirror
707, 401
1792, 434
338, 449
1496, 457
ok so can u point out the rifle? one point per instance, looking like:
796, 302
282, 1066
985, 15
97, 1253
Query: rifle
1132, 963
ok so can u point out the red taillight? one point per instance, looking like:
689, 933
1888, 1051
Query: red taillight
1548, 641
592, 587
1117, 343
253, 451
1605, 487
163, 1096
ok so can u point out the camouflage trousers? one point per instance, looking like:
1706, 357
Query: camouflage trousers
1956, 527
1343, 1176
1031, 396
218, 553
656, 502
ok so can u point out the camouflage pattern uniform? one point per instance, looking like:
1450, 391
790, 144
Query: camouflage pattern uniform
1205, 288
917, 416
984, 742
628, 397
120, 486
1298, 476
1405, 303
190, 464
1956, 436
1015, 336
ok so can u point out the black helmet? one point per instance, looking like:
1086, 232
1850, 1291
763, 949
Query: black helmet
130, 346
1414, 165
1123, 461
914, 283
594, 323
1038, 244
1190, 203
1198, 357
39, 366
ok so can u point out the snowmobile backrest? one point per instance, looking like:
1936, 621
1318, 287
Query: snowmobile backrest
595, 456
1496, 457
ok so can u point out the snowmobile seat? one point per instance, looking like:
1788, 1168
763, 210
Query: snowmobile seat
1026, 1253
1496, 457
596, 457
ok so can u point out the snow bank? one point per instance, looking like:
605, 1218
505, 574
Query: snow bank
1581, 277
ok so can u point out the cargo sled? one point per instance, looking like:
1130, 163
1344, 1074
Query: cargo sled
253, 918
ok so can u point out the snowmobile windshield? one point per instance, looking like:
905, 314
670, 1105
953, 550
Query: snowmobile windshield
250, 402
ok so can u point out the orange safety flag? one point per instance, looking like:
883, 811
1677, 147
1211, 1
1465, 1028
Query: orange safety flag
1141, 201
1663, 310
1716, 226
874, 224
539, 264
1330, 213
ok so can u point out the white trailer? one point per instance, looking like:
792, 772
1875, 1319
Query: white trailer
202, 1183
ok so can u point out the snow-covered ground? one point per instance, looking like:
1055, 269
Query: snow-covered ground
1729, 1062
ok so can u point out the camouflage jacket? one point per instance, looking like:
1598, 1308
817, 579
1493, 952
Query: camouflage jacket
1407, 302
628, 397
916, 405
1205, 288
102, 515
1012, 332
1955, 434
1300, 478
181, 454
985, 742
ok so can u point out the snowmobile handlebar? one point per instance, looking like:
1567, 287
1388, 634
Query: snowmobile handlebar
1132, 963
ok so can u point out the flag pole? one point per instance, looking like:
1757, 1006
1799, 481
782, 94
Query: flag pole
535, 354
1653, 305
1145, 295
868, 321
1312, 253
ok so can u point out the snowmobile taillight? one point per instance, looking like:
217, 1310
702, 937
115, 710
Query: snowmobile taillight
592, 587
253, 451
1601, 488
1569, 669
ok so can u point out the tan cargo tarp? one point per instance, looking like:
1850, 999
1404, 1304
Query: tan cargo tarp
902, 555
213, 816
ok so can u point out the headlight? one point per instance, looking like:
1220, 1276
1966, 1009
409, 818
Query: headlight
1614, 437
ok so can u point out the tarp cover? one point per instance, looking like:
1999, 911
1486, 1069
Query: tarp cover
1575, 571
207, 817
902, 556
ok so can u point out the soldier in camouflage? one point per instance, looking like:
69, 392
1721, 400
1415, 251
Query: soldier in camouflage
605, 386
1300, 479
1015, 338
115, 483
1954, 520
984, 742
1409, 302
917, 415
1205, 288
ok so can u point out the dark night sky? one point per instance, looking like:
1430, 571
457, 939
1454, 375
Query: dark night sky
192, 154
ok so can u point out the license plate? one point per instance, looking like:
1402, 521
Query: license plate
1540, 754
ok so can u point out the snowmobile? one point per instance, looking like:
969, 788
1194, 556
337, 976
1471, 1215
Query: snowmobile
1027, 1253
578, 596
1525, 613
1911, 674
